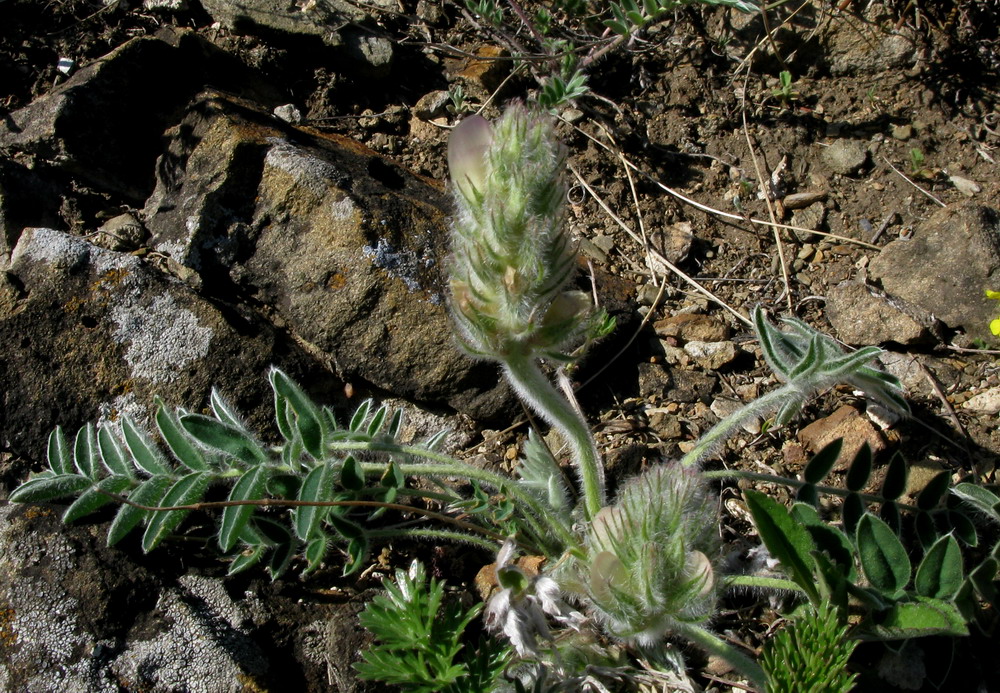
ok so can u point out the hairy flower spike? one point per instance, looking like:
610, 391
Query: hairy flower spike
512, 257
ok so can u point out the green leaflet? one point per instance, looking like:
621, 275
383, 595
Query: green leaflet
148, 493
224, 437
144, 454
112, 454
49, 487
883, 557
96, 497
822, 462
317, 487
59, 456
250, 487
786, 539
918, 618
308, 418
85, 452
186, 491
177, 440
940, 573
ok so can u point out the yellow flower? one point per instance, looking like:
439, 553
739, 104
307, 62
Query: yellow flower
994, 324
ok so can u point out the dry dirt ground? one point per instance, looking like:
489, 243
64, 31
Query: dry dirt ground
695, 108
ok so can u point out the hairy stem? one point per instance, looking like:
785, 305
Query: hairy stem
448, 467
712, 644
723, 430
538, 391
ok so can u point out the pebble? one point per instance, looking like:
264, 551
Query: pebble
845, 157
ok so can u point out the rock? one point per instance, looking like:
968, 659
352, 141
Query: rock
289, 19
104, 124
845, 157
654, 380
123, 232
967, 187
432, 105
811, 217
76, 615
986, 402
711, 355
665, 425
692, 327
864, 315
868, 47
689, 386
371, 54
846, 423
26, 199
945, 267
89, 333
344, 245
724, 407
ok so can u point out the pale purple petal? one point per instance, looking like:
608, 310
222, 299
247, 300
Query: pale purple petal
467, 147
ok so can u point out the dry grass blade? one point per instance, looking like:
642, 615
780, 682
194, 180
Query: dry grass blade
659, 258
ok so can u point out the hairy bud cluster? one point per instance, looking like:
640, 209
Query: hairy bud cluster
512, 257
649, 562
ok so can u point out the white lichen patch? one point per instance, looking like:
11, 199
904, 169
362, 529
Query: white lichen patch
46, 647
204, 647
343, 209
66, 252
308, 171
160, 339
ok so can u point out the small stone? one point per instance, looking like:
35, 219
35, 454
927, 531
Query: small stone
605, 243
987, 401
431, 105
689, 327
288, 113
845, 157
846, 423
123, 233
965, 186
653, 380
902, 132
665, 426
711, 355
812, 218
724, 407
803, 199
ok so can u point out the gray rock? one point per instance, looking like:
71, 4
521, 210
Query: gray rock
26, 199
104, 124
371, 54
946, 266
845, 157
79, 617
868, 47
90, 333
864, 315
711, 355
811, 217
344, 245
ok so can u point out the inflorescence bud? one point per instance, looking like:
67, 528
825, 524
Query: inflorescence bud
512, 255
649, 556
